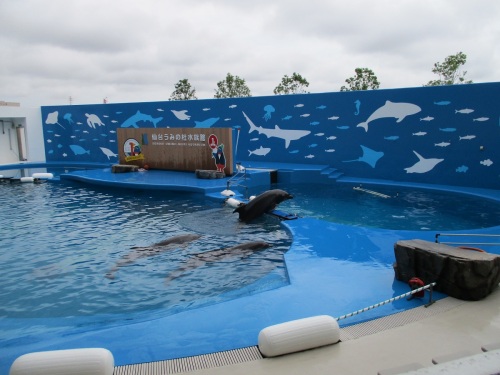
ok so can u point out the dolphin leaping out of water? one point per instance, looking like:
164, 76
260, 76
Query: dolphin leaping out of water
390, 109
147, 251
237, 252
261, 204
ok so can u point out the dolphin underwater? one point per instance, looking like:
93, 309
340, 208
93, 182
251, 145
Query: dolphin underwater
152, 250
261, 204
237, 252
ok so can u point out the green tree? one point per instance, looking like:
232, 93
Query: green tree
449, 71
183, 91
232, 87
295, 84
365, 79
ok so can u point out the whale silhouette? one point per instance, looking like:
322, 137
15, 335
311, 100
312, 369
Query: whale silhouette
237, 252
390, 109
423, 165
152, 250
261, 204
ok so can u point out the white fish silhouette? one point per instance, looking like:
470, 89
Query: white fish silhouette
423, 165
181, 115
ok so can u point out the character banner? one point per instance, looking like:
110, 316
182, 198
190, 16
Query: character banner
181, 149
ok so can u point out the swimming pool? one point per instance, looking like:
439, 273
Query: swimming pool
331, 268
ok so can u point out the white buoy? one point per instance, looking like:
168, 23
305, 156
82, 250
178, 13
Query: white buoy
298, 335
233, 202
88, 361
43, 176
228, 193
27, 179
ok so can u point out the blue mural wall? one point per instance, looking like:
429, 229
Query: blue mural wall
439, 135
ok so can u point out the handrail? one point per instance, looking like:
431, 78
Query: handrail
468, 235
428, 286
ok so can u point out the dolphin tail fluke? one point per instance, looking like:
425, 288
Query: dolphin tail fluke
363, 125
250, 152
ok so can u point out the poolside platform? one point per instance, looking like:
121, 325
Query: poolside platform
255, 175
463, 332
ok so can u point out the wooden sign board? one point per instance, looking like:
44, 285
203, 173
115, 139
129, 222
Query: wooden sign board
180, 149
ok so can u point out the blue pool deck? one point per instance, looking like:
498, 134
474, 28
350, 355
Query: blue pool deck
322, 255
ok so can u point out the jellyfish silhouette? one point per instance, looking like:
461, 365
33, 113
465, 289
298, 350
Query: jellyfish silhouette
269, 109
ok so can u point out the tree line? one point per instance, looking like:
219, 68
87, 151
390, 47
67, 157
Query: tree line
449, 73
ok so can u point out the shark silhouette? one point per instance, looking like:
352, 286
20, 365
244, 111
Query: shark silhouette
423, 165
152, 250
138, 117
390, 109
277, 132
369, 156
237, 252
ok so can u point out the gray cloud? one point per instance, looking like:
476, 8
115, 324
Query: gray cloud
138, 51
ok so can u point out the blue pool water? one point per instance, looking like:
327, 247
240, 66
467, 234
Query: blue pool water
58, 240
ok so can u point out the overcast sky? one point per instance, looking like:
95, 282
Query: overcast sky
130, 51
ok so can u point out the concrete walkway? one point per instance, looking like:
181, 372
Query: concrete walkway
459, 331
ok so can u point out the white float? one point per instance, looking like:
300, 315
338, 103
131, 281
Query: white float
227, 193
88, 361
43, 176
298, 335
27, 179
233, 202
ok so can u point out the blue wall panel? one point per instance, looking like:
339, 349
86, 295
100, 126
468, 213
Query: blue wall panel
441, 135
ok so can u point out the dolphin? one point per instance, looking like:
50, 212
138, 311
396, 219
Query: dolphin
152, 250
277, 132
237, 252
423, 165
390, 109
261, 204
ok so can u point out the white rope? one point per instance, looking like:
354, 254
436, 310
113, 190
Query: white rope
386, 301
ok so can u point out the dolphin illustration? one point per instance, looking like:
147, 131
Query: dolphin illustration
138, 117
422, 165
286, 135
390, 109
261, 204
237, 252
152, 250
